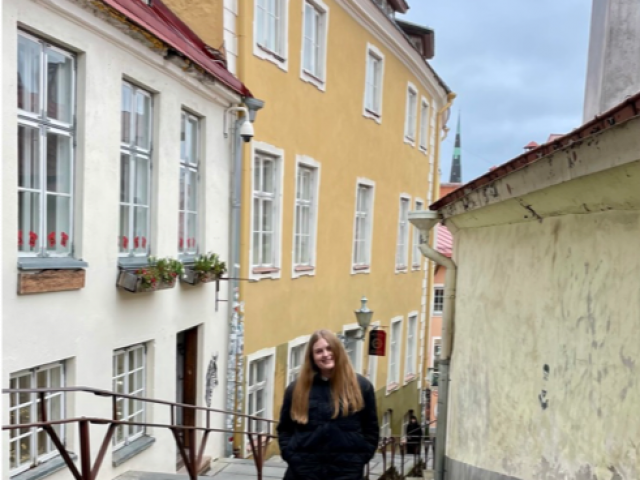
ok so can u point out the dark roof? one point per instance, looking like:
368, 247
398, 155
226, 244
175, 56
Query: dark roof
165, 25
627, 110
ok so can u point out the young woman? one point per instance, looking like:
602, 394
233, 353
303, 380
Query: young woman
414, 436
328, 424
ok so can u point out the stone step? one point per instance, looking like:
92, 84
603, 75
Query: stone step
428, 474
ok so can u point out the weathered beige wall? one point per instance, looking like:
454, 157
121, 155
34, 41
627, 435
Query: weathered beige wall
563, 293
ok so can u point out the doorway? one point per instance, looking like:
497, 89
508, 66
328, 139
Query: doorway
186, 381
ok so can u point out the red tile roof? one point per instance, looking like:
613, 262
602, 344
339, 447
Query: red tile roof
444, 240
627, 110
165, 25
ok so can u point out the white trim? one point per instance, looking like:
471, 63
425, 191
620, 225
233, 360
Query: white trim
296, 342
270, 376
411, 139
354, 327
376, 52
320, 82
369, 15
433, 350
434, 312
372, 185
278, 153
316, 166
399, 268
230, 35
391, 385
280, 59
410, 371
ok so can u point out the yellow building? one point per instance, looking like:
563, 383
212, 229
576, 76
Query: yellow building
346, 145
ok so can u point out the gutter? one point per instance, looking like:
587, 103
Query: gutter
425, 221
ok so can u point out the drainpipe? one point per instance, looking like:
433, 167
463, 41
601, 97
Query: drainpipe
425, 221
236, 342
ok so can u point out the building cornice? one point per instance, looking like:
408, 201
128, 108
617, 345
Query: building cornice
367, 14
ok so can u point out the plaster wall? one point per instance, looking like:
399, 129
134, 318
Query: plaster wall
545, 361
84, 327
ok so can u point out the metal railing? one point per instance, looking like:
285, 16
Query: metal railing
397, 463
258, 441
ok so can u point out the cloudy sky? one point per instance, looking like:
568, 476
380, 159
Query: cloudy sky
518, 67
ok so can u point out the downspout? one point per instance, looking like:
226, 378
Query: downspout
425, 221
236, 342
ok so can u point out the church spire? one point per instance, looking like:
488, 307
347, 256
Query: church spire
456, 163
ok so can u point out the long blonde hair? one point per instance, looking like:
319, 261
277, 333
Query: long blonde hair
345, 389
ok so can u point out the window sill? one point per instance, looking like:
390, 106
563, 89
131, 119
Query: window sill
313, 80
304, 270
392, 387
358, 269
416, 268
44, 469
131, 263
265, 270
372, 115
263, 273
266, 54
436, 314
50, 263
423, 150
401, 269
136, 447
410, 141
410, 378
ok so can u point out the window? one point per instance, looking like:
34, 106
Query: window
410, 361
46, 137
353, 346
271, 31
266, 217
424, 124
305, 220
31, 446
314, 42
438, 300
435, 356
188, 205
363, 227
259, 392
417, 255
394, 355
135, 171
129, 378
297, 349
373, 83
385, 427
403, 234
410, 120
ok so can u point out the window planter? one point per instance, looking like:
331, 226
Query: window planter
205, 269
161, 274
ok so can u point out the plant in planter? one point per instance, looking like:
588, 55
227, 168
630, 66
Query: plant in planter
206, 268
160, 274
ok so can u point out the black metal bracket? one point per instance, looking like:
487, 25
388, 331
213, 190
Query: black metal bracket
227, 279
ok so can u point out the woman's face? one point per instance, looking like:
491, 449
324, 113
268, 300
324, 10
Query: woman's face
323, 356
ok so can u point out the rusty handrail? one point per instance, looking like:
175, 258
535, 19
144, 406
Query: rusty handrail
259, 441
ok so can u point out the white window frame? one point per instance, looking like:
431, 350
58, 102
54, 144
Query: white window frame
373, 51
258, 272
134, 152
434, 340
411, 115
424, 125
357, 268
402, 238
416, 260
185, 249
140, 392
385, 425
411, 350
298, 269
46, 125
34, 409
372, 367
268, 354
318, 78
435, 312
293, 344
279, 55
354, 328
393, 365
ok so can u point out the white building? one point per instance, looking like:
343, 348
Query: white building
109, 130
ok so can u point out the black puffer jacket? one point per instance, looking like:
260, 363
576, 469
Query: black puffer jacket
326, 448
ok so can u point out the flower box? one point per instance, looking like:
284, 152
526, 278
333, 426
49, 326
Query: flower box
132, 282
194, 277
160, 274
204, 269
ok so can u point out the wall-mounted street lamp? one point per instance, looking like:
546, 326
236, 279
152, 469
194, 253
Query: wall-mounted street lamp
363, 316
